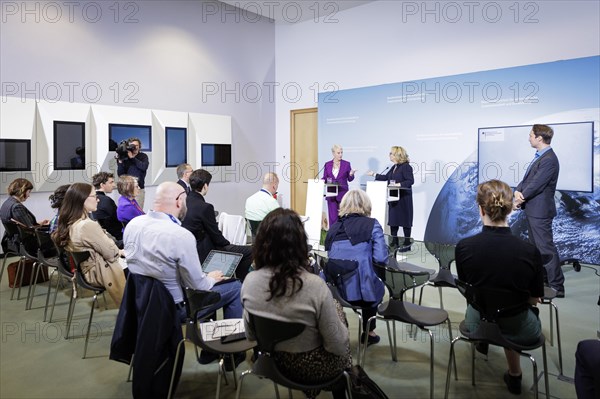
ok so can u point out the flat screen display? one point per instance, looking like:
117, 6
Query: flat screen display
216, 154
504, 153
176, 146
15, 155
69, 145
118, 133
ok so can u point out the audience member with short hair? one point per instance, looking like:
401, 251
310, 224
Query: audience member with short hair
282, 287
259, 204
497, 259
56, 199
202, 222
356, 236
18, 192
183, 174
128, 208
77, 232
106, 212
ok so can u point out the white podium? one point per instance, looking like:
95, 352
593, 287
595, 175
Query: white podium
378, 193
314, 211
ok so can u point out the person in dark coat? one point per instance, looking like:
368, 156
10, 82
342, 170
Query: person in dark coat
200, 219
400, 213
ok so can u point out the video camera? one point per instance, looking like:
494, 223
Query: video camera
123, 148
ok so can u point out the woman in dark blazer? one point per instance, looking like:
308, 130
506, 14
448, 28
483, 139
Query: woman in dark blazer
400, 213
337, 171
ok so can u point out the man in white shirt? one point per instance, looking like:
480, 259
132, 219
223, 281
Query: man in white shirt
157, 246
259, 204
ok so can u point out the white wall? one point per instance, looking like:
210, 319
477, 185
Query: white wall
166, 60
394, 41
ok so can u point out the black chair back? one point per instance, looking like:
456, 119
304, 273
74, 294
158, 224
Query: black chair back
197, 302
78, 259
401, 277
28, 241
254, 225
64, 266
444, 253
269, 332
46, 247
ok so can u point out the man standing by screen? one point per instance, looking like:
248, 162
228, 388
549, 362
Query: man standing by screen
136, 164
535, 195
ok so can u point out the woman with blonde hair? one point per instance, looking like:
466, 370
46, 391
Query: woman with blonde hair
495, 258
400, 213
358, 238
77, 232
337, 171
128, 207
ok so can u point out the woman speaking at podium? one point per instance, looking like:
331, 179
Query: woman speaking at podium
340, 172
400, 213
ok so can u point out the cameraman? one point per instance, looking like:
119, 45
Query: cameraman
136, 164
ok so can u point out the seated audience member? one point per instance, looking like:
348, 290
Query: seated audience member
283, 288
128, 207
77, 232
496, 259
183, 174
201, 221
157, 246
587, 369
56, 200
259, 204
106, 212
18, 192
357, 236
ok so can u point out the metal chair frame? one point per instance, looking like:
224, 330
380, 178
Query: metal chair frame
269, 333
494, 304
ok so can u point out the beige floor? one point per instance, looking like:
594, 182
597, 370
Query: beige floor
36, 362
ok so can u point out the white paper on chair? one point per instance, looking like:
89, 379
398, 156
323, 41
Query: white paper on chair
214, 330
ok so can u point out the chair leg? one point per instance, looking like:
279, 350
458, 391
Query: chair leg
23, 265
451, 338
441, 298
545, 363
431, 343
54, 300
276, 391
48, 294
348, 384
171, 387
32, 285
239, 389
70, 315
131, 368
19, 269
358, 350
221, 372
451, 359
4, 264
364, 344
560, 362
87, 335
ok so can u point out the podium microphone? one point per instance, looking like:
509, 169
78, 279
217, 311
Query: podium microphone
318, 173
383, 171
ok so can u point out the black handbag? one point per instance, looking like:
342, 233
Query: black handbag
339, 272
363, 386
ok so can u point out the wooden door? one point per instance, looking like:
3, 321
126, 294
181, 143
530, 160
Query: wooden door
304, 155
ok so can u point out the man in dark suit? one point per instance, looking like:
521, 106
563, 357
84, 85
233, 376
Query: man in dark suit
535, 195
183, 174
202, 222
106, 212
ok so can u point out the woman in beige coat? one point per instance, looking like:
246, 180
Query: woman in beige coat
77, 232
